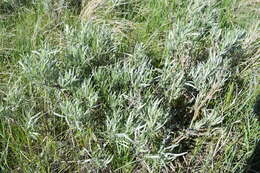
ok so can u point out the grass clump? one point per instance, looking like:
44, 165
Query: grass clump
127, 86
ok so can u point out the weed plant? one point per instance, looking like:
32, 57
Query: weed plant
128, 86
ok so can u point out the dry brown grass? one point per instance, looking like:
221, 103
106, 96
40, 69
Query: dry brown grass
89, 8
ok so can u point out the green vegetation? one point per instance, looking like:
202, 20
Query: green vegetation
128, 85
